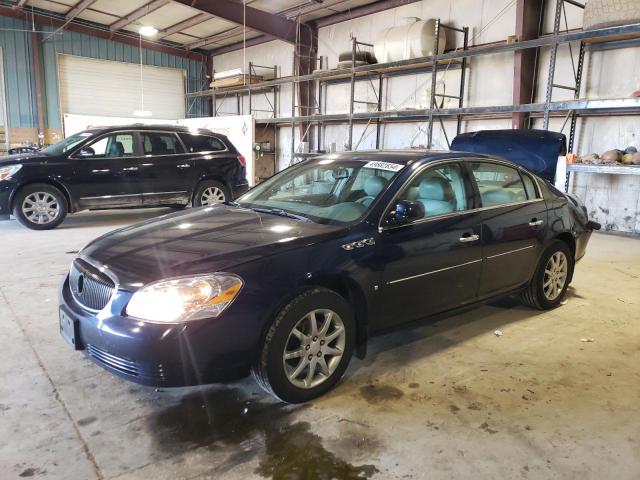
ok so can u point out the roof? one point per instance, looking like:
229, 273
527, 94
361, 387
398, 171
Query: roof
153, 127
401, 157
180, 23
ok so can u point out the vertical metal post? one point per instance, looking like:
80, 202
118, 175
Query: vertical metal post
379, 125
352, 92
250, 99
318, 86
552, 62
276, 88
293, 108
238, 106
463, 77
574, 115
434, 79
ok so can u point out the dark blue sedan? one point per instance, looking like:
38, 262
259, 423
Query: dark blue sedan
292, 279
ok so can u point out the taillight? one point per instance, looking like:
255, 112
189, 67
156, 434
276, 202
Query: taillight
242, 160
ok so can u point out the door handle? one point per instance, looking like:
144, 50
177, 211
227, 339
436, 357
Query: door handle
469, 238
184, 165
535, 222
130, 169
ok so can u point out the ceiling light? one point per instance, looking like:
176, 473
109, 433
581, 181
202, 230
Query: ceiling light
148, 31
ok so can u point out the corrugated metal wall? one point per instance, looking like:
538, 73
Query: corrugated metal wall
15, 42
19, 82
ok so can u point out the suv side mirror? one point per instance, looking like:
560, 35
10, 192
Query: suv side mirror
86, 152
405, 212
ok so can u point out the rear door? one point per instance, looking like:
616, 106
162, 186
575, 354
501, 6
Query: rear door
166, 170
105, 172
433, 264
514, 218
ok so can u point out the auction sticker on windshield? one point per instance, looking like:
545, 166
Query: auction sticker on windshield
392, 167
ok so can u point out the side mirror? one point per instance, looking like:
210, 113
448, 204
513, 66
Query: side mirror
406, 212
86, 152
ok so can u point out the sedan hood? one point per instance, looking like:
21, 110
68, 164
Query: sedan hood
202, 240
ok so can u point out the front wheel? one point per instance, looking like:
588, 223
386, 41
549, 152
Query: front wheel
210, 192
40, 206
551, 280
307, 348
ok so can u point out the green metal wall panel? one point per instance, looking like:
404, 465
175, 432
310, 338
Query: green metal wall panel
15, 41
18, 79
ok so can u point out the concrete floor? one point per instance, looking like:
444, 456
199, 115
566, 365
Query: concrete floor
451, 400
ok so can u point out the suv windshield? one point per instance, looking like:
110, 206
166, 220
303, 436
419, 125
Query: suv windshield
67, 144
324, 190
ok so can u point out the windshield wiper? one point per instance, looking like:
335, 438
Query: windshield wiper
279, 212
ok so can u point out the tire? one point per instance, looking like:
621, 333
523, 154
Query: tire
35, 204
544, 297
364, 56
273, 372
212, 189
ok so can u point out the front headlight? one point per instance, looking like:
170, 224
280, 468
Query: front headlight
7, 172
183, 299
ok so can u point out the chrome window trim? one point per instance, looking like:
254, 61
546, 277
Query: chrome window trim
97, 139
151, 155
510, 251
409, 180
462, 212
432, 272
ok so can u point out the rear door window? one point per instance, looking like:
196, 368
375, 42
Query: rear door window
160, 143
202, 143
498, 184
529, 186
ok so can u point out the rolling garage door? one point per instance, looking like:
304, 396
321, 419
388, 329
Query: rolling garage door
103, 87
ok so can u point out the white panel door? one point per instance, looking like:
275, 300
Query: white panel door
103, 87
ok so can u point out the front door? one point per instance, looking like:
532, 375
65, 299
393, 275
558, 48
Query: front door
105, 173
167, 173
432, 264
514, 219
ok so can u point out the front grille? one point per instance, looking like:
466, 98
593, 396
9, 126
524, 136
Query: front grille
117, 363
90, 288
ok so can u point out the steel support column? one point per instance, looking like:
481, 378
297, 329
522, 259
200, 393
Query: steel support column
529, 14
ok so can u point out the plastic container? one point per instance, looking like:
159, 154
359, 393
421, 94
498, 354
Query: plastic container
414, 40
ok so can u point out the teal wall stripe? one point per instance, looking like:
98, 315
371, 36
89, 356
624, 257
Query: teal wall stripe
18, 71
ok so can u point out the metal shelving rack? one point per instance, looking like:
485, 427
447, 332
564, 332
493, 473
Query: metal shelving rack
251, 89
603, 38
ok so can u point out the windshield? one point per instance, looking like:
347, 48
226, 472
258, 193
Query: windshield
323, 190
67, 144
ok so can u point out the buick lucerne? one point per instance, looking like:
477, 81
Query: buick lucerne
290, 280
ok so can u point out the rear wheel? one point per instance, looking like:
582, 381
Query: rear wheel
551, 280
307, 348
40, 206
210, 192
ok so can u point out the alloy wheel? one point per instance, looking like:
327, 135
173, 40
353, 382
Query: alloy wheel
211, 196
555, 275
314, 348
41, 208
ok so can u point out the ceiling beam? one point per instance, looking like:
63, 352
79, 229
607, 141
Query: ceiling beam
78, 8
138, 13
362, 11
237, 46
188, 23
52, 21
275, 25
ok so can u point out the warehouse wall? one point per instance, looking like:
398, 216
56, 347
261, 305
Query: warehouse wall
15, 41
612, 200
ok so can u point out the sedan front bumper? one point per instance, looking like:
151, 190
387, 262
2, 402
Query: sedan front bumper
162, 355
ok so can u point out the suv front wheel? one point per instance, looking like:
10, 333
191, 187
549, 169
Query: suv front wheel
40, 206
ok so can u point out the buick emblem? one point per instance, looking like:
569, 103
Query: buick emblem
80, 283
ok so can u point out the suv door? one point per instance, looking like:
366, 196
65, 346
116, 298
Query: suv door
105, 172
514, 217
166, 169
432, 264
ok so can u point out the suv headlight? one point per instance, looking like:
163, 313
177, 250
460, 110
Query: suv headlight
7, 172
183, 299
